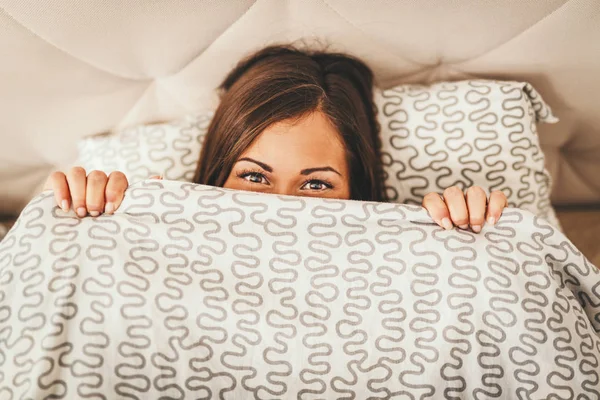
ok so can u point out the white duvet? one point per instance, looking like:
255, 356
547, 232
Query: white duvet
192, 291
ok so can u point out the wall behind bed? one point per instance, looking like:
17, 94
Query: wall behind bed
74, 68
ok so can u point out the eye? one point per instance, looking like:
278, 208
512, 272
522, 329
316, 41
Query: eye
254, 177
316, 184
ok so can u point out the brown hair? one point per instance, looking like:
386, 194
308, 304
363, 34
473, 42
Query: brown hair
281, 82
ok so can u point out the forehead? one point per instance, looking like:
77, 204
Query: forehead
304, 143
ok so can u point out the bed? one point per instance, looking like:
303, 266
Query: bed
73, 69
66, 75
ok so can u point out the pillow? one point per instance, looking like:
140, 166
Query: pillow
170, 149
476, 132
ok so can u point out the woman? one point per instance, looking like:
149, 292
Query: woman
292, 122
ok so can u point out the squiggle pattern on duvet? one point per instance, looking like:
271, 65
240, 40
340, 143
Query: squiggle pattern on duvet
192, 291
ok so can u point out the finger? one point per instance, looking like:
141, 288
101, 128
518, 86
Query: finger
115, 190
77, 185
94, 194
455, 201
476, 204
498, 202
57, 182
156, 177
437, 209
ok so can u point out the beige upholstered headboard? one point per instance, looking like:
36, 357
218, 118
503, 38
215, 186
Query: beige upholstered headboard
71, 68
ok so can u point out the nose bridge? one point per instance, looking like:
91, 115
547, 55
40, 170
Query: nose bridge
285, 187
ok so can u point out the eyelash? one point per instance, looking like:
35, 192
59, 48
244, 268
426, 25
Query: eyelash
327, 184
244, 173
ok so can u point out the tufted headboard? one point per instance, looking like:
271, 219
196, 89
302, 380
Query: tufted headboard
73, 68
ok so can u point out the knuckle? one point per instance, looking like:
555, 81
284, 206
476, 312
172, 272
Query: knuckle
97, 176
475, 190
77, 171
118, 175
453, 191
56, 175
431, 196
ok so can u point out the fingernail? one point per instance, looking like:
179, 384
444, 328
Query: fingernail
447, 224
65, 205
464, 226
476, 228
94, 213
81, 212
109, 208
491, 220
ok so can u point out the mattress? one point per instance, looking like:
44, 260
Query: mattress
73, 68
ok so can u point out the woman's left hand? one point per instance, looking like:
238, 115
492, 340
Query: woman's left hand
464, 210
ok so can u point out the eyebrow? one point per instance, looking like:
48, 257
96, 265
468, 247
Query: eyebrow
306, 171
262, 165
309, 171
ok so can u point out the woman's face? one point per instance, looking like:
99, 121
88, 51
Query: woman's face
307, 158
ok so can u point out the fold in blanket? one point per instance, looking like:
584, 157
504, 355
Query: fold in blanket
192, 291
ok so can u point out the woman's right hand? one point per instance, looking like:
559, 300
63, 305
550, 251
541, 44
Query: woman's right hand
94, 193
